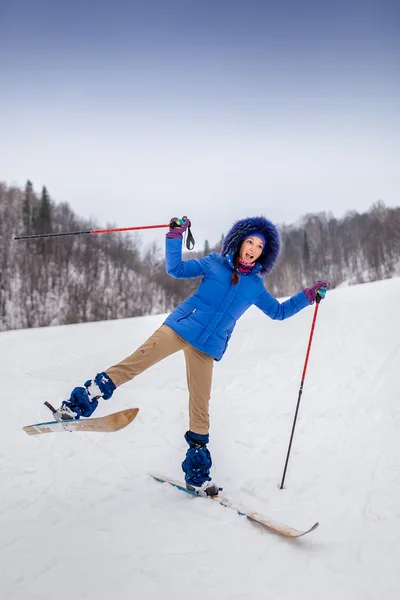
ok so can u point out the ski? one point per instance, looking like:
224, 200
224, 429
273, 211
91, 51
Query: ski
109, 423
266, 522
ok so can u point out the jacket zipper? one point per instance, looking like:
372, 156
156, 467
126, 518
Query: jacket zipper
187, 315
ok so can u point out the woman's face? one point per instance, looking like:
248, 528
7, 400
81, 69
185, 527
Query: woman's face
251, 249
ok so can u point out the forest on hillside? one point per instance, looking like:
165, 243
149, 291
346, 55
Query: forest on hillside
77, 279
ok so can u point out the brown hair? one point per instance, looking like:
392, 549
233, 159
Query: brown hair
235, 276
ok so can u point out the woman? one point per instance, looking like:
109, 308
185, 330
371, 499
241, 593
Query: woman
201, 326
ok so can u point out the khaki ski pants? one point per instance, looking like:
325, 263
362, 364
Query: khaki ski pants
199, 368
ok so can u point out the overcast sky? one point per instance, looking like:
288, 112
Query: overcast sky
134, 112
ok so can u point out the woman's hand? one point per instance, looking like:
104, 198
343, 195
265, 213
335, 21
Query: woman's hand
177, 227
319, 289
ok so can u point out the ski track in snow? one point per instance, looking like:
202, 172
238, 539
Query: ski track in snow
80, 517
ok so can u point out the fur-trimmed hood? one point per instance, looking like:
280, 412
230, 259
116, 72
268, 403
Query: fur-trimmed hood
242, 229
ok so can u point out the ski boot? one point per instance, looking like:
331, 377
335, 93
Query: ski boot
84, 400
197, 464
209, 488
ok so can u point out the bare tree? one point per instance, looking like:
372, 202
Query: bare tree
71, 280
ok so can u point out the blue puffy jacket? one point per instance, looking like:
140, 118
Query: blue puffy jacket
207, 319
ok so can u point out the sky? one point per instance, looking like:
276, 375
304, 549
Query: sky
134, 112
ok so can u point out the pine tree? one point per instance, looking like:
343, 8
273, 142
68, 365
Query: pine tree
28, 208
44, 219
206, 250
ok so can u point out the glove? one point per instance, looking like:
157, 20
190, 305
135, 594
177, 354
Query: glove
177, 227
319, 289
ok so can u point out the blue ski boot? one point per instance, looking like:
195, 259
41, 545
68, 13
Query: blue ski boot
84, 400
197, 465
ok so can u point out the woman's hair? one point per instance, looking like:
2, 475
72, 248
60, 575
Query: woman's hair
235, 276
242, 229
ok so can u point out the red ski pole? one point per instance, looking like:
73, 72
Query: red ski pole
318, 300
86, 232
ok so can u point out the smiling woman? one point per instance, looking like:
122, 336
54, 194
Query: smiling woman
250, 250
202, 327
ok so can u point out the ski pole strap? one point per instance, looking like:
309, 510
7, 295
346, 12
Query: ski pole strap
189, 240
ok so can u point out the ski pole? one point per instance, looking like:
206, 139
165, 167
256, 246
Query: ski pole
86, 232
317, 301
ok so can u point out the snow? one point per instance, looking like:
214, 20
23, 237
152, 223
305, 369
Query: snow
80, 518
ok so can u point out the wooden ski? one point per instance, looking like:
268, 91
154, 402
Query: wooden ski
109, 423
266, 522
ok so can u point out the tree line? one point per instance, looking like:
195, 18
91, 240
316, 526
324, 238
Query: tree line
77, 279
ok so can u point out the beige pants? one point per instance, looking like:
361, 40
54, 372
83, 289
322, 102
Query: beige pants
199, 367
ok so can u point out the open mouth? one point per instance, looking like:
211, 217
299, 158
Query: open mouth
249, 257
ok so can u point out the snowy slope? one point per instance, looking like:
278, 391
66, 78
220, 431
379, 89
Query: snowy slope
80, 517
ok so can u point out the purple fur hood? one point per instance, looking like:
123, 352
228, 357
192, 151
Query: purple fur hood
245, 227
